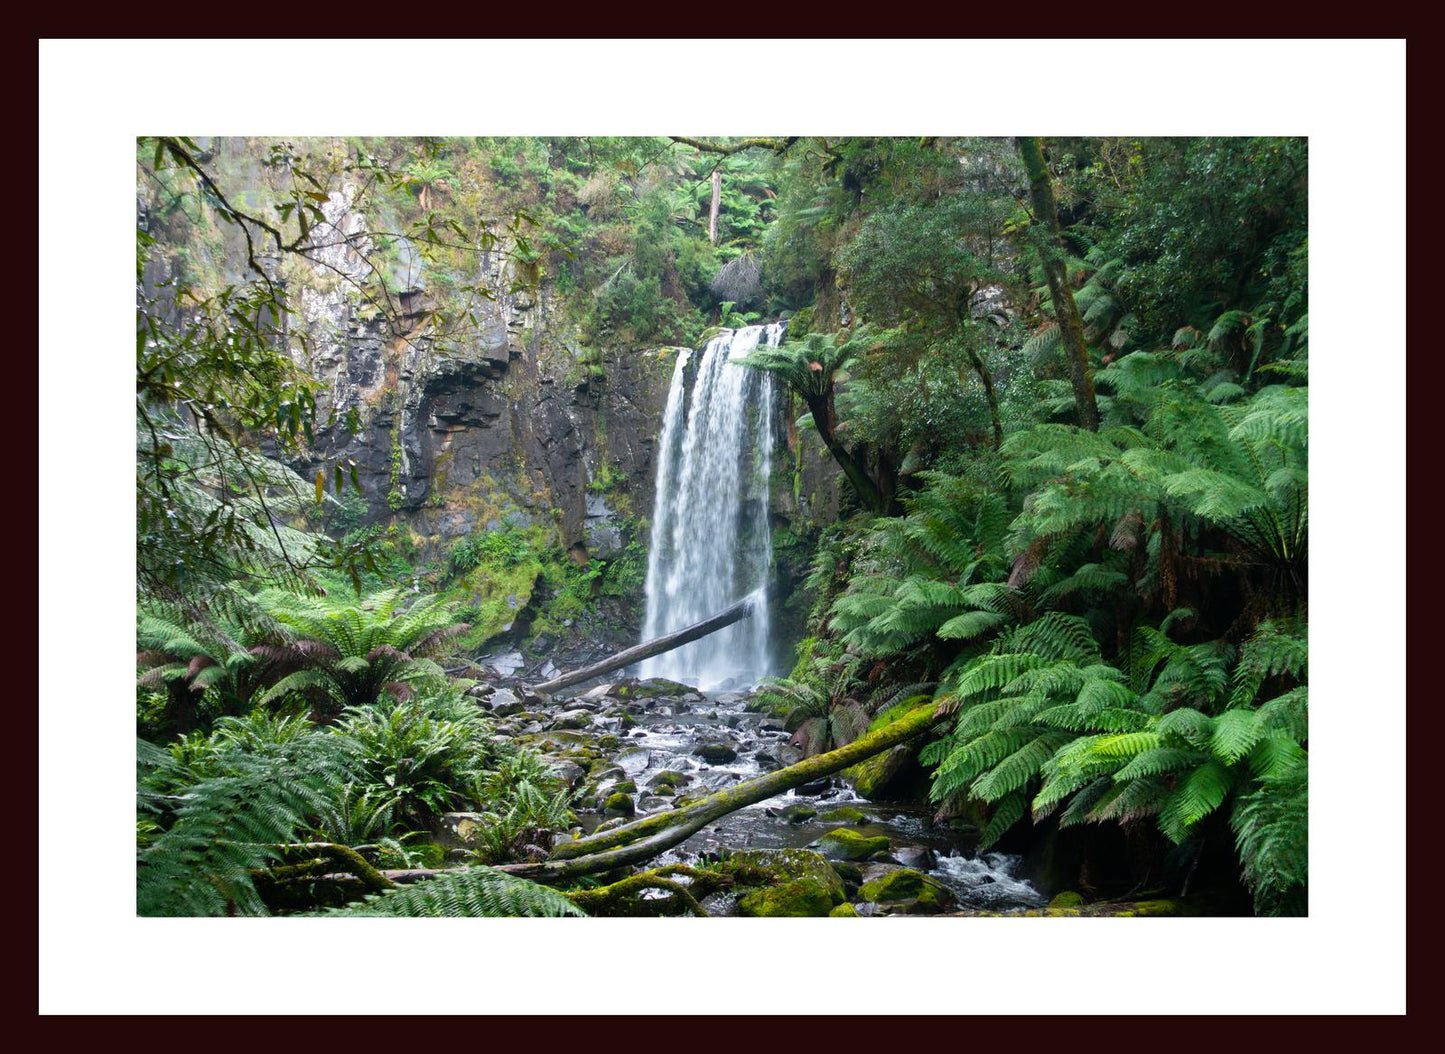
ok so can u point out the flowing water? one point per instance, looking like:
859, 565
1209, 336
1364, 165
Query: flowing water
671, 731
711, 544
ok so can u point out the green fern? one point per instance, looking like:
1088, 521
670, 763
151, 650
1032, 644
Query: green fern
471, 892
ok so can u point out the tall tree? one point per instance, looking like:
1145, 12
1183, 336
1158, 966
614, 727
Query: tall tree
1050, 243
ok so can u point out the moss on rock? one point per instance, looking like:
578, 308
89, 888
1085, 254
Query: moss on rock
843, 843
787, 883
619, 804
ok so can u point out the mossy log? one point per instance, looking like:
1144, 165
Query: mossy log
608, 899
337, 857
643, 839
647, 649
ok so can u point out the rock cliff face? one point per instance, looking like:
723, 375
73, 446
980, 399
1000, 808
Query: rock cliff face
506, 416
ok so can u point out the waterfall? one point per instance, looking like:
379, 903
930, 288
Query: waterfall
711, 543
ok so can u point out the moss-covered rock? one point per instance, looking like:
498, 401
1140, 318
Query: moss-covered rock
846, 814
889, 776
784, 883
843, 843
619, 804
651, 688
799, 813
906, 891
717, 752
669, 778
625, 787
844, 911
1067, 899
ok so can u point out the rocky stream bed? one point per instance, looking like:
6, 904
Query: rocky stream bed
632, 748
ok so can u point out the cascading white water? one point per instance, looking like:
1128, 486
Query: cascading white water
711, 543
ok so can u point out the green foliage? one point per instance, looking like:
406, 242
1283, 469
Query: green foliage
1042, 718
348, 654
207, 660
412, 760
215, 830
217, 811
933, 573
472, 892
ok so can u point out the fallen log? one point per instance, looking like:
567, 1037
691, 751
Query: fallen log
643, 839
647, 649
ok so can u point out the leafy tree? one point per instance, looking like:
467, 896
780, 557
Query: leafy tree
923, 267
1049, 242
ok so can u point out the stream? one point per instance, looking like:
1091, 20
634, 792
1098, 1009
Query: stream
694, 735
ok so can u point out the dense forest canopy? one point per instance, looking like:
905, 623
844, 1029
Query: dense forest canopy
1059, 389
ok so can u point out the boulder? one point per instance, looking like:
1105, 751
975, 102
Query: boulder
799, 813
619, 804
784, 883
894, 775
569, 772
504, 702
844, 843
717, 751
573, 719
670, 779
904, 891
919, 857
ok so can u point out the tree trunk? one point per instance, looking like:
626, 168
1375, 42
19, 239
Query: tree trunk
1051, 252
741, 610
643, 839
713, 209
986, 376
856, 473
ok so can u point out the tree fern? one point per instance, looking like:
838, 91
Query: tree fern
348, 654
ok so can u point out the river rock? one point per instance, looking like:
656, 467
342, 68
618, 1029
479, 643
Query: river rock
784, 883
569, 772
717, 751
844, 843
619, 804
504, 702
507, 663
668, 778
798, 813
919, 857
461, 826
905, 891
573, 719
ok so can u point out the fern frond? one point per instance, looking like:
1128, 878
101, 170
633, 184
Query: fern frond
472, 892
